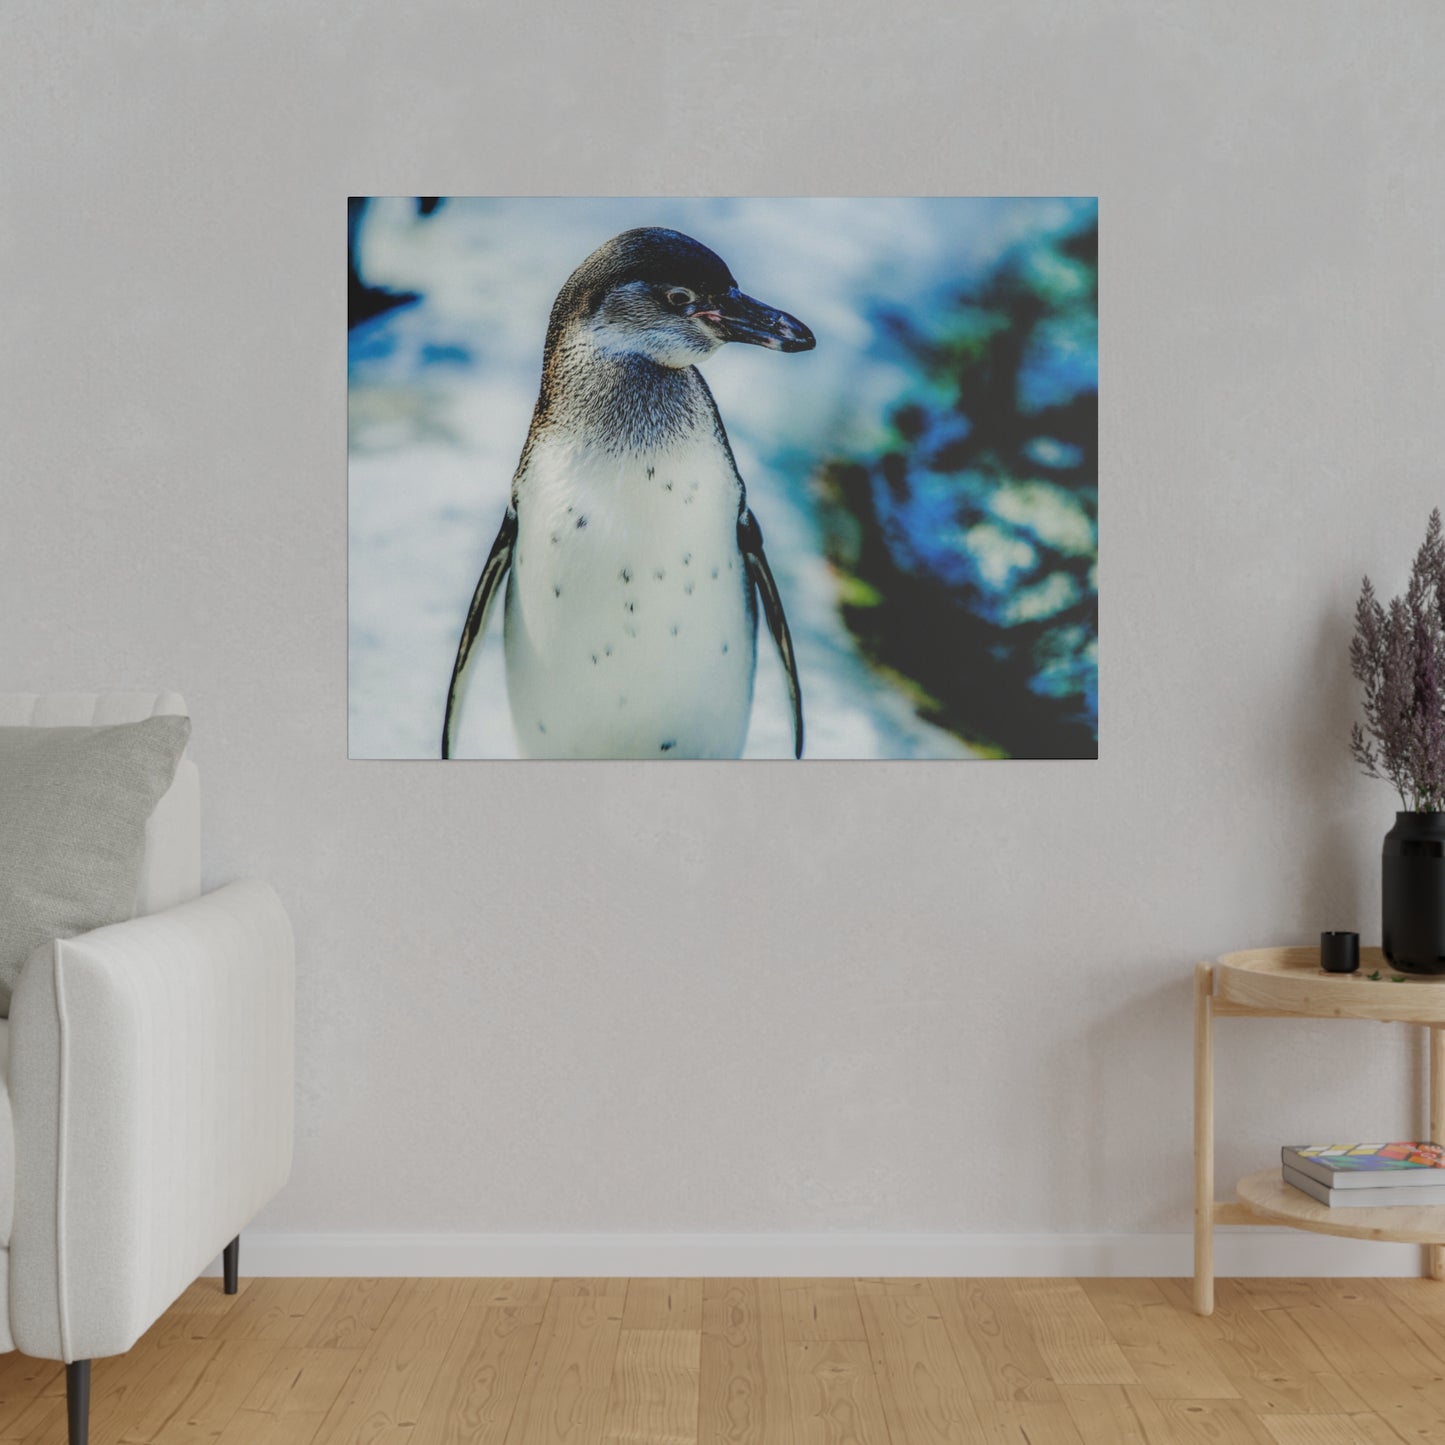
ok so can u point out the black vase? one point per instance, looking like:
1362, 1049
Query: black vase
1414, 893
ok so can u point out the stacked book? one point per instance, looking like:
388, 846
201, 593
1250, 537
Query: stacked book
1367, 1176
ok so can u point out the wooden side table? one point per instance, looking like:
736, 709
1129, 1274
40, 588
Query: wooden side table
1289, 983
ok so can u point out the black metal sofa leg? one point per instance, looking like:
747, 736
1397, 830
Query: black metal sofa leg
77, 1401
231, 1264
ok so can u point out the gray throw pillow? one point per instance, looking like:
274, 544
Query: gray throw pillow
73, 809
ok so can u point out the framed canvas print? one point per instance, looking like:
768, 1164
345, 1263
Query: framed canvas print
721, 478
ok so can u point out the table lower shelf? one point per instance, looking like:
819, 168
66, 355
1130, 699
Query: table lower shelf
1268, 1197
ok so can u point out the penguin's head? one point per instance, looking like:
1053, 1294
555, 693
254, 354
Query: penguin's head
663, 296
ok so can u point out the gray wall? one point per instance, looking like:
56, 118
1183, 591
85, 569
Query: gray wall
767, 997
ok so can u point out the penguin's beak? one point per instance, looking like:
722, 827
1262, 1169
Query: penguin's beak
740, 318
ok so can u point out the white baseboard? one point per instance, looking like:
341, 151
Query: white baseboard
1247, 1252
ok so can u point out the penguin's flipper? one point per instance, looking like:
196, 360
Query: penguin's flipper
750, 542
499, 560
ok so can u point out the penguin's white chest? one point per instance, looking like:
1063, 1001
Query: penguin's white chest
630, 621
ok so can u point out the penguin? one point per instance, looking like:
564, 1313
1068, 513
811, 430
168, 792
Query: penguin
634, 567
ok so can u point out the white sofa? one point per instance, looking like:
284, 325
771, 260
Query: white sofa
148, 1074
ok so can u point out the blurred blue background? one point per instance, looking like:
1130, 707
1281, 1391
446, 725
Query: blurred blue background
926, 480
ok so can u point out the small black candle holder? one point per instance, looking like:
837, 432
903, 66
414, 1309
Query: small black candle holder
1340, 952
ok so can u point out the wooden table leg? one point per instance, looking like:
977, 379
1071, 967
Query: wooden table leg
1435, 1253
1204, 1138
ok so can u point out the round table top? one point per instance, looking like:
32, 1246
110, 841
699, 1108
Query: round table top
1290, 980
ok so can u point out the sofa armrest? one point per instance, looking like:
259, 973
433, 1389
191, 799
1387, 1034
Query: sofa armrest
151, 1081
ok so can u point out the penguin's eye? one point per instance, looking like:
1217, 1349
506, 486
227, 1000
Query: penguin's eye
678, 296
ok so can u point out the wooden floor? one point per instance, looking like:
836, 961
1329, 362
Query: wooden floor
766, 1362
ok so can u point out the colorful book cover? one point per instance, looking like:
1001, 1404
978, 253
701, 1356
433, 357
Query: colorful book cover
1365, 1158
